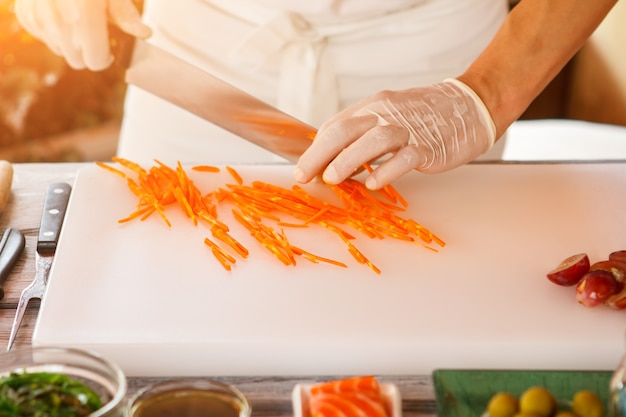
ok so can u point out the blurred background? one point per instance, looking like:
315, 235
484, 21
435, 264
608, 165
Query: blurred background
48, 111
51, 113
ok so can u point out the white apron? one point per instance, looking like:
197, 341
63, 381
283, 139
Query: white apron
310, 59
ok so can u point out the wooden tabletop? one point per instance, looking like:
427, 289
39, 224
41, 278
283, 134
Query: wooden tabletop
269, 396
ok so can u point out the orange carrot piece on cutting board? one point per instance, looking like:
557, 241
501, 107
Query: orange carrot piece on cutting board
259, 202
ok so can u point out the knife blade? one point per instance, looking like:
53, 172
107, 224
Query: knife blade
185, 85
55, 206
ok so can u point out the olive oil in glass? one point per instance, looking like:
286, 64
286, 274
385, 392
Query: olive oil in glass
189, 398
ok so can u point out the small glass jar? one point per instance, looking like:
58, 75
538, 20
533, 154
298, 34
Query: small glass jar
188, 397
618, 389
104, 378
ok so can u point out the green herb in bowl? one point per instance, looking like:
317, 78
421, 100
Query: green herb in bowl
46, 394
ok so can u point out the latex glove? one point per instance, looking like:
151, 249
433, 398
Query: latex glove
431, 129
77, 29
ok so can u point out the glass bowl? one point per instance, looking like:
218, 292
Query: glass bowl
104, 378
618, 390
188, 397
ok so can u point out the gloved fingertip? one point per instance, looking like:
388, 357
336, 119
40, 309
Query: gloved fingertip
300, 176
143, 31
371, 183
99, 64
76, 66
330, 175
75, 62
54, 49
137, 29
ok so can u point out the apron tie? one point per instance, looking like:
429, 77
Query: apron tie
307, 88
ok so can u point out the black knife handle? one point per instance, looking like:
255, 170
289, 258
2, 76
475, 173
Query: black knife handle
122, 46
54, 208
11, 247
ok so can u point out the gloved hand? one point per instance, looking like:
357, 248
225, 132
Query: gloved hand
431, 129
77, 29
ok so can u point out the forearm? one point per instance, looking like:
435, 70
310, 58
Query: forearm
535, 42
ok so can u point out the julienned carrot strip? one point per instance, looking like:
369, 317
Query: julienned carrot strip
317, 215
222, 259
276, 243
277, 251
356, 254
164, 172
215, 246
234, 174
136, 189
315, 258
136, 168
205, 168
182, 179
110, 168
222, 256
264, 236
339, 231
292, 225
178, 193
223, 235
368, 167
371, 266
401, 236
163, 216
137, 213
148, 213
212, 220
162, 186
389, 191
257, 207
425, 234
395, 195
354, 196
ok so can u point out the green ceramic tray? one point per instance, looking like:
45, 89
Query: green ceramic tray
465, 393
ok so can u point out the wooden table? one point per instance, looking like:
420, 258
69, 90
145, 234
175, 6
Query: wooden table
269, 396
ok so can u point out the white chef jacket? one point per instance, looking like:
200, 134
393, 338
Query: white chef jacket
308, 58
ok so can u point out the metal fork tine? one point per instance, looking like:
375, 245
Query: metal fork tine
35, 290
19, 315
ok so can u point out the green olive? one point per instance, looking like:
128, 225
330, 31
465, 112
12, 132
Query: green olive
526, 414
565, 413
587, 404
537, 400
503, 404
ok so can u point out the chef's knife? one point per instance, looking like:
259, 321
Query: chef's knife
54, 208
11, 247
185, 85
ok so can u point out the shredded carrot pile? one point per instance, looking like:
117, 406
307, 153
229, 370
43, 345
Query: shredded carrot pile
256, 204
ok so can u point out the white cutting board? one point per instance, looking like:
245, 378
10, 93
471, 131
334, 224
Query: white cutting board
154, 300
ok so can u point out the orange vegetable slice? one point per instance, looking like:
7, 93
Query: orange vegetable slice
365, 383
257, 203
348, 397
347, 405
